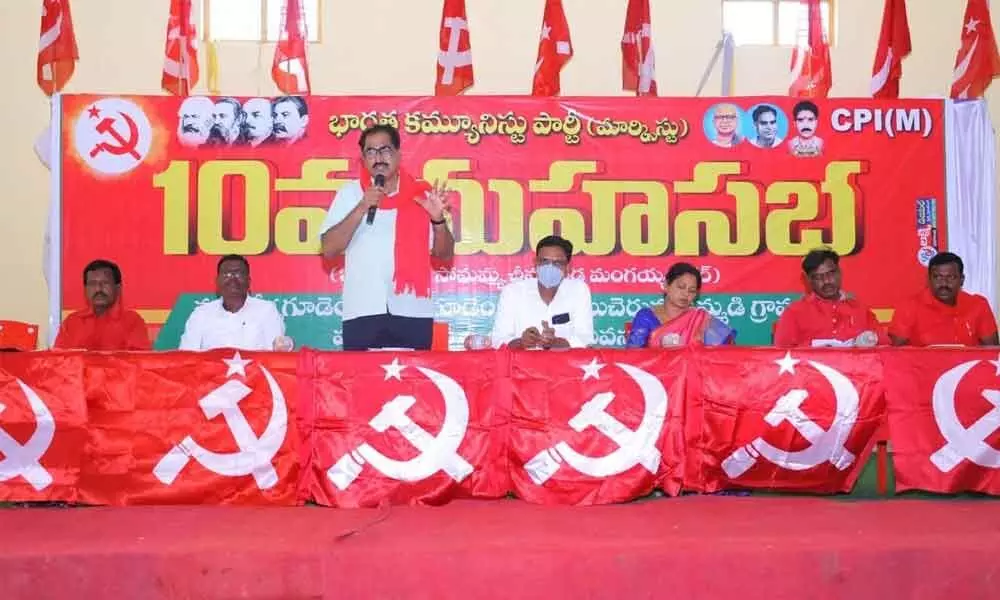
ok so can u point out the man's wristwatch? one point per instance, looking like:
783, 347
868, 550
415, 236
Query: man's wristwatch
440, 221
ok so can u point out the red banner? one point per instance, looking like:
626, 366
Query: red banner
944, 419
403, 427
213, 428
43, 426
574, 427
635, 186
802, 420
596, 427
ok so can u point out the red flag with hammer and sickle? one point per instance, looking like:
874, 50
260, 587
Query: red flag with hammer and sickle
454, 64
893, 47
783, 420
811, 74
944, 419
180, 61
554, 50
290, 70
638, 62
57, 52
977, 63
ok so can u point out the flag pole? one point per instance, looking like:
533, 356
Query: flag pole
723, 48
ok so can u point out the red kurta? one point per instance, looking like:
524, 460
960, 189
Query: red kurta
813, 318
116, 329
925, 320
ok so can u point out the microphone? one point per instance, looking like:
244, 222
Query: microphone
379, 181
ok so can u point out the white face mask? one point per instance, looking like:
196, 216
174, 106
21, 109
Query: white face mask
549, 275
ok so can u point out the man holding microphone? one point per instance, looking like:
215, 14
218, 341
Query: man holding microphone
388, 225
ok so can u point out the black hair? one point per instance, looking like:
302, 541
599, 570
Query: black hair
558, 242
389, 130
762, 110
100, 264
677, 270
946, 258
229, 257
805, 105
299, 103
817, 257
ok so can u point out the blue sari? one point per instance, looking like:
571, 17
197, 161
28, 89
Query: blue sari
694, 327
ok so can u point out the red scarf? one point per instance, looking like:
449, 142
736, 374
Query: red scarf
413, 258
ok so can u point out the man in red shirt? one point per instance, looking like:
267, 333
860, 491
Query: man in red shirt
105, 325
827, 316
942, 313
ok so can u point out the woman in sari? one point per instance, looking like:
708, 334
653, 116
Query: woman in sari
677, 322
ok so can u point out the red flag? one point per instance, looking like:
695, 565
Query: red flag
180, 428
427, 428
803, 419
43, 425
638, 60
454, 64
290, 70
944, 419
57, 52
596, 428
893, 47
180, 60
977, 63
811, 74
554, 50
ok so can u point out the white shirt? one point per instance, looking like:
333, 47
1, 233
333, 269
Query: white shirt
253, 327
370, 260
521, 306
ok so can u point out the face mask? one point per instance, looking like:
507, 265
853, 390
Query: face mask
549, 276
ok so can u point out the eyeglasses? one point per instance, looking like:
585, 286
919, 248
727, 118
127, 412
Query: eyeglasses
826, 276
380, 151
232, 275
558, 263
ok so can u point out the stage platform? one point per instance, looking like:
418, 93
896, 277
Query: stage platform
690, 547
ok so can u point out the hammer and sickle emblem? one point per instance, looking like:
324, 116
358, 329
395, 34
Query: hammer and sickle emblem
634, 447
825, 445
24, 459
963, 443
255, 454
126, 145
437, 453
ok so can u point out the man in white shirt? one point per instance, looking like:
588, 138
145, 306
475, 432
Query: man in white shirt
235, 319
549, 311
383, 224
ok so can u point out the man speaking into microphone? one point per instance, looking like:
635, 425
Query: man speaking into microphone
387, 225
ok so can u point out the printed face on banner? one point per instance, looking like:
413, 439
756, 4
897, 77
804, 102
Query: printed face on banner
635, 187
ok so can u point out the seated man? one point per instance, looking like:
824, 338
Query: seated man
236, 319
942, 313
827, 316
549, 311
105, 324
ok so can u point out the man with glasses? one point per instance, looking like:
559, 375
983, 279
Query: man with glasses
388, 225
235, 319
827, 316
548, 311
943, 314
105, 324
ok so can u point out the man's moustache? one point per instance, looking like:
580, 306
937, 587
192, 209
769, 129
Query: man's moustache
190, 129
380, 164
807, 130
280, 127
